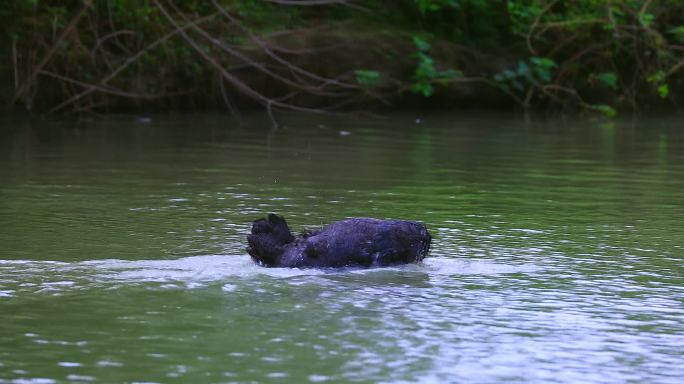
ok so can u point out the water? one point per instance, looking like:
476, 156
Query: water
557, 255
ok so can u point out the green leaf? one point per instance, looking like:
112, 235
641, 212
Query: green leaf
425, 59
423, 87
543, 62
449, 74
425, 6
656, 78
541, 66
523, 69
608, 79
543, 74
421, 44
607, 110
367, 77
508, 74
646, 19
678, 33
663, 91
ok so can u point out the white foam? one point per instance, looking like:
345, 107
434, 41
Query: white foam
190, 269
199, 271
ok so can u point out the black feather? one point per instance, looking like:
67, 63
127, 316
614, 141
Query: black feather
362, 242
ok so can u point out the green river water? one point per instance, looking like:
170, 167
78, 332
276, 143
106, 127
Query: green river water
557, 256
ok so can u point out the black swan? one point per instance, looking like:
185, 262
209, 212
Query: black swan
361, 242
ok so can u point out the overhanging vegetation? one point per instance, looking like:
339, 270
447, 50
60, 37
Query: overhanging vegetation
333, 55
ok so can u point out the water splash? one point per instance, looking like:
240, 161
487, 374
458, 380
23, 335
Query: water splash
196, 271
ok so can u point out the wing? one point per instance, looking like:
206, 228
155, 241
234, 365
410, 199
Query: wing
389, 249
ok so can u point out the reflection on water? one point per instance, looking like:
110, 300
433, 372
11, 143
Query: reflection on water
557, 254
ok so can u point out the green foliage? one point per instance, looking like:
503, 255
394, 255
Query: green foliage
425, 6
678, 33
542, 67
426, 74
599, 55
425, 71
367, 77
421, 44
533, 72
656, 78
523, 14
663, 91
646, 19
608, 79
606, 110
658, 81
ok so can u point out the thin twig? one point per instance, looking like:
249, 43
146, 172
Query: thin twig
644, 7
109, 36
101, 88
50, 53
279, 59
234, 81
128, 62
226, 99
535, 23
228, 49
346, 3
15, 67
565, 23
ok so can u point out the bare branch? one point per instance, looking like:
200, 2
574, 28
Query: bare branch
308, 2
109, 36
279, 59
234, 81
263, 68
50, 53
675, 68
226, 99
100, 88
346, 3
535, 23
128, 62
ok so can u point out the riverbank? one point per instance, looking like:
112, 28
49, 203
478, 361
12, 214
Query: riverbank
99, 57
